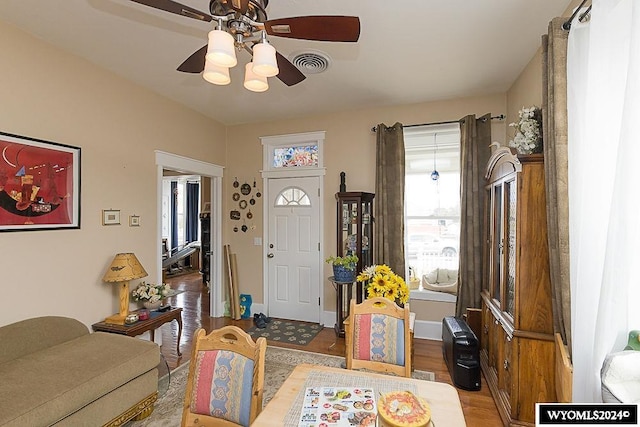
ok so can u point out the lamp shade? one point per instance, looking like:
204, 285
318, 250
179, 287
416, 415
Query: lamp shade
254, 82
264, 60
215, 74
124, 267
221, 50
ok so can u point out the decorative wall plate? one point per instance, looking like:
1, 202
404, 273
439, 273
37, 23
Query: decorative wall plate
245, 189
236, 184
258, 194
244, 228
242, 204
252, 201
235, 197
249, 215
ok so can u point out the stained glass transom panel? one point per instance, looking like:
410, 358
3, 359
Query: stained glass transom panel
295, 156
292, 197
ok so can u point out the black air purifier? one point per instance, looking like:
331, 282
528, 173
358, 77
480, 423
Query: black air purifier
461, 352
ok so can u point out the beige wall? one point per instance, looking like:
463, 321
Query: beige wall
526, 91
55, 96
349, 147
52, 95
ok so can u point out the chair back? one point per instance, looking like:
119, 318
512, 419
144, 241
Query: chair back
378, 337
226, 379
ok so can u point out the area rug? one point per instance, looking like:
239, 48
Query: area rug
279, 362
288, 331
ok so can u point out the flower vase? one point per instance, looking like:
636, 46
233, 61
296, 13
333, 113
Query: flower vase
152, 305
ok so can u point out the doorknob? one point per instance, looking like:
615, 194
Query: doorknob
270, 255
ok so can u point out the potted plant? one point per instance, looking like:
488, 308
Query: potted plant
344, 267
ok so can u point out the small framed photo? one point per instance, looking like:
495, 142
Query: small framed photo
134, 220
110, 217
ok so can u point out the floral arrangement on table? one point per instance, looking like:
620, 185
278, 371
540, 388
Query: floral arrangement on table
381, 281
528, 137
150, 292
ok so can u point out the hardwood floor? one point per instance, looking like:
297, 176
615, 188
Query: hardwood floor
478, 406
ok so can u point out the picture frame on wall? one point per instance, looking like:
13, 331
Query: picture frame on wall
110, 217
39, 184
134, 220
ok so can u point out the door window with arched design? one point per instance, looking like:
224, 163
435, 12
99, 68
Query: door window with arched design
293, 196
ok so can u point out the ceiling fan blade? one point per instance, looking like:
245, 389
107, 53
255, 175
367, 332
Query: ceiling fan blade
194, 63
240, 5
322, 28
177, 8
288, 73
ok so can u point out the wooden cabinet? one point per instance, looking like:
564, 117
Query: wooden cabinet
355, 229
517, 350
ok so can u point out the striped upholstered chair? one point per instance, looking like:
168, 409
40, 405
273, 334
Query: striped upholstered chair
378, 337
226, 379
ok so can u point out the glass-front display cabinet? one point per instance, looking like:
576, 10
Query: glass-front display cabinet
355, 229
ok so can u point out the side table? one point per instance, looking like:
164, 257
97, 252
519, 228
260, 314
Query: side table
156, 319
344, 293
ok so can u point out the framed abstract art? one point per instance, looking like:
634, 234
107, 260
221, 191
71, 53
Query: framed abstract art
39, 184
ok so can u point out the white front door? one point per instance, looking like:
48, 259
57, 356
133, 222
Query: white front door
293, 248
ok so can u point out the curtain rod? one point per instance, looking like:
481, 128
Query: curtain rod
500, 117
567, 24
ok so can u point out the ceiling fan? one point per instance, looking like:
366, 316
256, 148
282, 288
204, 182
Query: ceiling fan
244, 24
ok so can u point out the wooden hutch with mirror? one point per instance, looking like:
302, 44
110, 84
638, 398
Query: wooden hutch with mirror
517, 347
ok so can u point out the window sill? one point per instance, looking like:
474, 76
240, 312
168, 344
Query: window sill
426, 295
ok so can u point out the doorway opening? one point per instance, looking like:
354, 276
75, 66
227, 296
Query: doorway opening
186, 166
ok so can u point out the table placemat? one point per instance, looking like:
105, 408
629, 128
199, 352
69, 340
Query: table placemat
324, 379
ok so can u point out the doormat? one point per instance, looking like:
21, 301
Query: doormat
287, 331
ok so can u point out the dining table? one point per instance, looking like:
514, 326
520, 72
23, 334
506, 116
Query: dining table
285, 408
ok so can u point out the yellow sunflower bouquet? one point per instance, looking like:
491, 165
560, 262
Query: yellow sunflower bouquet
381, 281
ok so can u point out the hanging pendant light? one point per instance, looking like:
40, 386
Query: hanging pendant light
254, 82
221, 48
264, 58
214, 74
435, 175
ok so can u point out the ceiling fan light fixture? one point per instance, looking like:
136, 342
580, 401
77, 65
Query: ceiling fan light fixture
253, 81
264, 60
215, 74
221, 49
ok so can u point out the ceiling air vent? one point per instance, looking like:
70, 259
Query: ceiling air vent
311, 61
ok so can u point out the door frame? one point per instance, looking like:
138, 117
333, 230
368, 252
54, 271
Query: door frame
269, 143
187, 165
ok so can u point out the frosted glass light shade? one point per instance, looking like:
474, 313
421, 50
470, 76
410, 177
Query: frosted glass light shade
216, 75
221, 50
254, 82
264, 60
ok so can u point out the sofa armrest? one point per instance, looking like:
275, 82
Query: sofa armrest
31, 335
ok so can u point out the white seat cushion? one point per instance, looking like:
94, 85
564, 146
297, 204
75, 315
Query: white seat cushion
620, 377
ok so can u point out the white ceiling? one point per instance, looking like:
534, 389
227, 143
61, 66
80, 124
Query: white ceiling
410, 51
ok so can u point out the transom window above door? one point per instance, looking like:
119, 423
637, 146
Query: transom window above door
293, 196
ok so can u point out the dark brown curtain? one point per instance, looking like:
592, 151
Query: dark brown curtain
389, 200
555, 131
475, 137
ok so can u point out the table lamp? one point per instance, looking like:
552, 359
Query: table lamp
124, 267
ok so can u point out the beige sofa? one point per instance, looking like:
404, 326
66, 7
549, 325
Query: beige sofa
54, 372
